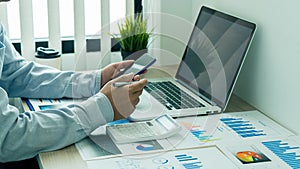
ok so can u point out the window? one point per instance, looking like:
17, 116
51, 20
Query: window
92, 17
66, 18
117, 12
40, 19
13, 19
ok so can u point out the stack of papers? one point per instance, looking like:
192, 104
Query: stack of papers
235, 140
229, 140
185, 159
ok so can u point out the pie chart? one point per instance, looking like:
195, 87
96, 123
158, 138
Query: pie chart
145, 147
248, 156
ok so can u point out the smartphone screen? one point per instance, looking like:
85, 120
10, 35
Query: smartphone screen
140, 65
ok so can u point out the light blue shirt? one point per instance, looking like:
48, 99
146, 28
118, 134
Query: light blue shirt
25, 134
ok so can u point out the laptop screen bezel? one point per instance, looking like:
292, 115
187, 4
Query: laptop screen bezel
204, 95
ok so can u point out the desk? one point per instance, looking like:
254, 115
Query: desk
69, 157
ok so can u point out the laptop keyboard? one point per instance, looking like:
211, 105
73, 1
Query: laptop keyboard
171, 96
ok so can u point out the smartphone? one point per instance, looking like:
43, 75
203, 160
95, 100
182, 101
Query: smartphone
139, 66
158, 128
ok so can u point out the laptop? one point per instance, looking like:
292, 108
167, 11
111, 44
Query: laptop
207, 72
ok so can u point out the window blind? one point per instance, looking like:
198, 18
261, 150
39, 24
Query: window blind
26, 24
54, 27
3, 15
79, 35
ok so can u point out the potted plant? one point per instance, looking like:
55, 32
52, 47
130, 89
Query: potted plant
134, 37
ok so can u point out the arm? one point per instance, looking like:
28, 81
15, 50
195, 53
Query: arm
26, 79
34, 81
24, 135
27, 134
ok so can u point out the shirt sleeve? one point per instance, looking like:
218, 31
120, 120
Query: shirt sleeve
25, 134
22, 78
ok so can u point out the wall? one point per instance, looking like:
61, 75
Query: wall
270, 77
175, 28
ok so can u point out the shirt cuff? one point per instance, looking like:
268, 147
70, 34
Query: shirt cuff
98, 82
98, 111
105, 106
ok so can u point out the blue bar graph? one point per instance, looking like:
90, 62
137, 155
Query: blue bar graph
192, 165
200, 134
197, 133
188, 161
285, 152
242, 127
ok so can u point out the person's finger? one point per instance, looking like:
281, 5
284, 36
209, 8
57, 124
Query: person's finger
136, 101
120, 66
138, 85
124, 64
124, 78
136, 78
137, 93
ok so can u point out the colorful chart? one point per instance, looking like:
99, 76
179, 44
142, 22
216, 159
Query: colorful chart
285, 152
199, 133
242, 127
47, 107
198, 158
145, 147
160, 160
248, 156
188, 161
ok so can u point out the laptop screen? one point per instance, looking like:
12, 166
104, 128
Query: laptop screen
214, 55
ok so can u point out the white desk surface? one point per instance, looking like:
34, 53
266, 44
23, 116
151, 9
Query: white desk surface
69, 157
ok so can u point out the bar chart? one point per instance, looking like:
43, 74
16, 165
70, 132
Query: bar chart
198, 158
242, 127
200, 134
188, 161
285, 151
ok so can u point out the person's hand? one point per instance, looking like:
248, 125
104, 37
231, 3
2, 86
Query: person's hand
110, 71
124, 99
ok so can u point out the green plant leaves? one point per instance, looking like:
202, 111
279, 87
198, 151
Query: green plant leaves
134, 35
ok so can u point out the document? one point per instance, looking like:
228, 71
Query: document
272, 152
104, 147
181, 159
197, 132
236, 140
211, 130
44, 104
